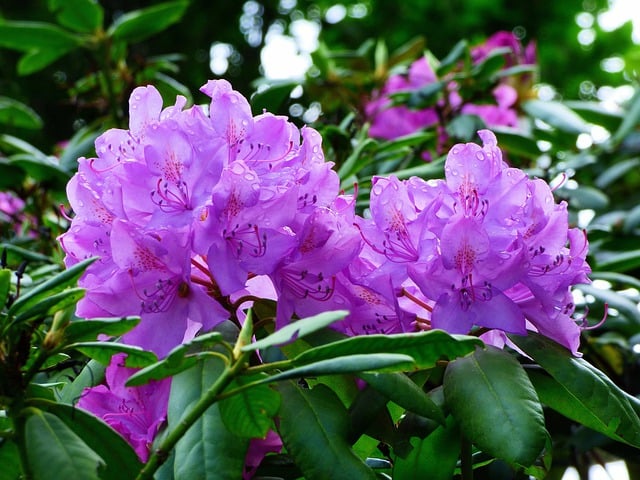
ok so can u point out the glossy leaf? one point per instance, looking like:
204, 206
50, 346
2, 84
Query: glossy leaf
51, 304
615, 172
35, 36
59, 282
120, 459
250, 412
140, 24
86, 330
179, 359
615, 300
5, 285
17, 114
103, 351
493, 400
91, 375
580, 391
557, 115
80, 15
459, 51
10, 461
313, 426
400, 389
442, 444
347, 364
426, 348
208, 450
53, 447
297, 329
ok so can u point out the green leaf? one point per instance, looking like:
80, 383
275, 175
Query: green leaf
249, 413
615, 172
512, 141
86, 330
10, 461
586, 197
208, 450
557, 115
140, 24
5, 285
400, 389
179, 359
91, 375
493, 400
581, 391
426, 348
52, 286
460, 50
35, 36
313, 426
465, 127
120, 459
347, 364
80, 15
442, 444
297, 329
272, 97
53, 447
17, 114
103, 351
50, 305
626, 261
630, 120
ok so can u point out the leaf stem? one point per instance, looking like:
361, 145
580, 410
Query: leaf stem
210, 397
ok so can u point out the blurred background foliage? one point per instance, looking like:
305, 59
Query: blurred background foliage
318, 61
575, 54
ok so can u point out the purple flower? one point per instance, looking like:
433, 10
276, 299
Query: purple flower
136, 413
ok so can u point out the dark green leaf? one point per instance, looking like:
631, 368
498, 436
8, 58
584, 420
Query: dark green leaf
313, 426
632, 220
120, 459
594, 112
460, 50
79, 145
426, 348
493, 400
442, 444
348, 364
581, 391
179, 359
169, 88
17, 114
625, 261
10, 461
272, 97
557, 115
45, 169
208, 450
297, 329
140, 24
586, 197
86, 330
400, 389
80, 15
513, 141
35, 36
249, 413
50, 305
103, 351
53, 447
91, 375
52, 286
5, 285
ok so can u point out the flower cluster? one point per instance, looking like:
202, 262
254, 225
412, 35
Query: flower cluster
191, 209
390, 120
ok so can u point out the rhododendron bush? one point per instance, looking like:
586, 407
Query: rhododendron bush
234, 294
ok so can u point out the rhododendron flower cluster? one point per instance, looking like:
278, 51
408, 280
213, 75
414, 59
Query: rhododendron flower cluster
192, 208
389, 120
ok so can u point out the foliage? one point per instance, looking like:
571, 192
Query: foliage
307, 397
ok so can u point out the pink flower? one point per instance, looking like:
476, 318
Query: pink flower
136, 413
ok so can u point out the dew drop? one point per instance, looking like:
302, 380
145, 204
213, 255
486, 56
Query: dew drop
480, 156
